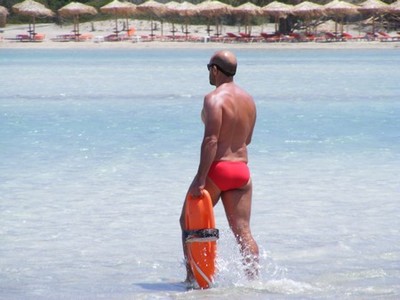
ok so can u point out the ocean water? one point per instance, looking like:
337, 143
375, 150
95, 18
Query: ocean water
98, 147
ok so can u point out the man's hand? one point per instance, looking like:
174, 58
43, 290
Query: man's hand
196, 188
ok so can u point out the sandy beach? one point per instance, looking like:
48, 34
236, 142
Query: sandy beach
98, 31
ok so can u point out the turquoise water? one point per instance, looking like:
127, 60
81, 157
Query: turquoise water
98, 148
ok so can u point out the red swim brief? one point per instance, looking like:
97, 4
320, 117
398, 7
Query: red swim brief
229, 175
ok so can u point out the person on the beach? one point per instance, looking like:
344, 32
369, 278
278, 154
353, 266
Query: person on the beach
229, 116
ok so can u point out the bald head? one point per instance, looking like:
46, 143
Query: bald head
225, 61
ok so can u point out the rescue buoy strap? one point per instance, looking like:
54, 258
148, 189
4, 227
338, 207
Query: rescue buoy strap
201, 235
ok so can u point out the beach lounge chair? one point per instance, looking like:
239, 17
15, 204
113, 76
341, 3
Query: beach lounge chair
128, 35
248, 38
145, 38
231, 37
310, 37
349, 37
369, 36
112, 38
385, 37
295, 37
85, 37
217, 38
332, 37
245, 37
121, 35
64, 38
37, 37
23, 37
272, 38
195, 38
174, 37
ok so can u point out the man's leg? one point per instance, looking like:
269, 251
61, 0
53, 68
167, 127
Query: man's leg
237, 204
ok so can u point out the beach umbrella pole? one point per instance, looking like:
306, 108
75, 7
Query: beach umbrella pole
75, 24
336, 21
30, 29
116, 25
151, 30
32, 33
208, 27
373, 27
342, 25
186, 28
76, 27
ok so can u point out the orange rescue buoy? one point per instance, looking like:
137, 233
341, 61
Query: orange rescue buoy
201, 237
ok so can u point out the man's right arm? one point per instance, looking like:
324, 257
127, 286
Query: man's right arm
212, 125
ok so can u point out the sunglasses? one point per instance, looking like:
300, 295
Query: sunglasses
209, 66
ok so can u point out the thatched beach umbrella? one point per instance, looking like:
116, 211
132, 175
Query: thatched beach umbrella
3, 11
246, 11
3, 16
33, 9
308, 10
118, 8
75, 9
171, 5
171, 12
153, 9
213, 9
374, 7
186, 10
340, 9
247, 8
277, 10
395, 7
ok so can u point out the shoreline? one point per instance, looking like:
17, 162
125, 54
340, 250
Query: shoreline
100, 29
197, 45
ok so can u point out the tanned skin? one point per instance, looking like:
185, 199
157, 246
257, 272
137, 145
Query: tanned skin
229, 116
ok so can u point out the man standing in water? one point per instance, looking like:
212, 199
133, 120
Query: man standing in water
229, 116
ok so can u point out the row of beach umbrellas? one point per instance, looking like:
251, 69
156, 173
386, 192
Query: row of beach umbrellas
212, 9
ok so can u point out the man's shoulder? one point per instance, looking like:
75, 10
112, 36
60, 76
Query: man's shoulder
218, 93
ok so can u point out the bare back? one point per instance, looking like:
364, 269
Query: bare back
237, 113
